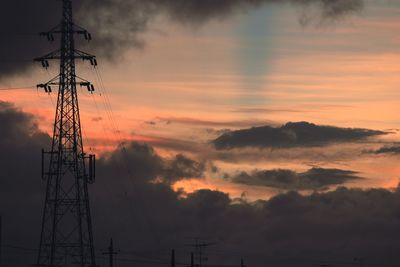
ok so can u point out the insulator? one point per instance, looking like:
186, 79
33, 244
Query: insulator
88, 36
47, 88
50, 37
45, 63
93, 61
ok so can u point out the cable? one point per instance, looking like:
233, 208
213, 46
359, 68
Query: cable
18, 247
136, 260
17, 88
148, 259
16, 60
116, 130
20, 34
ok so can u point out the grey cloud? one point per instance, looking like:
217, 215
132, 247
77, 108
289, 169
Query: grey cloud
313, 179
387, 150
20, 142
292, 134
145, 164
176, 144
183, 167
148, 219
117, 24
97, 119
21, 189
20, 24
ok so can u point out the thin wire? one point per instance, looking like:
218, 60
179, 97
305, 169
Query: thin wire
147, 259
15, 60
117, 132
20, 34
136, 260
19, 247
17, 88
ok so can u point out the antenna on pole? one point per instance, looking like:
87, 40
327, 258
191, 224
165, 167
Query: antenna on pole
199, 248
66, 231
110, 252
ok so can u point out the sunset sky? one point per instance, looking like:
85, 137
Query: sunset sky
272, 126
270, 66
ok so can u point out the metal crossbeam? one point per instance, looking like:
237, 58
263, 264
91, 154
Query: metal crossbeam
66, 234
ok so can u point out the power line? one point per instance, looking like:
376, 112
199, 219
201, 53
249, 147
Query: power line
17, 88
8, 34
15, 60
117, 133
19, 248
147, 259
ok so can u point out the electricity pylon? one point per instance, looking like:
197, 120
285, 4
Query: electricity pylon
66, 233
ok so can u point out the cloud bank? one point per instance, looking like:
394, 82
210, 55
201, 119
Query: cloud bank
116, 25
394, 150
292, 134
147, 219
313, 179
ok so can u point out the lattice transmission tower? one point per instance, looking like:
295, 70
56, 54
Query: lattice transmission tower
66, 233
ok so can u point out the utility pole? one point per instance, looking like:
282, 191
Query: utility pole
110, 252
66, 223
1, 240
173, 258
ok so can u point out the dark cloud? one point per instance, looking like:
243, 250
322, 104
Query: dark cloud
97, 119
150, 122
21, 190
313, 179
117, 24
147, 219
175, 144
145, 164
20, 141
387, 150
292, 134
183, 167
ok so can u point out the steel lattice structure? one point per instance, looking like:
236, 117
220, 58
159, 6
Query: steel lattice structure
66, 234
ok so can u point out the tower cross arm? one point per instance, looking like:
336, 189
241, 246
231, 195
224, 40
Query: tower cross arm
56, 54
77, 54
58, 30
85, 56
